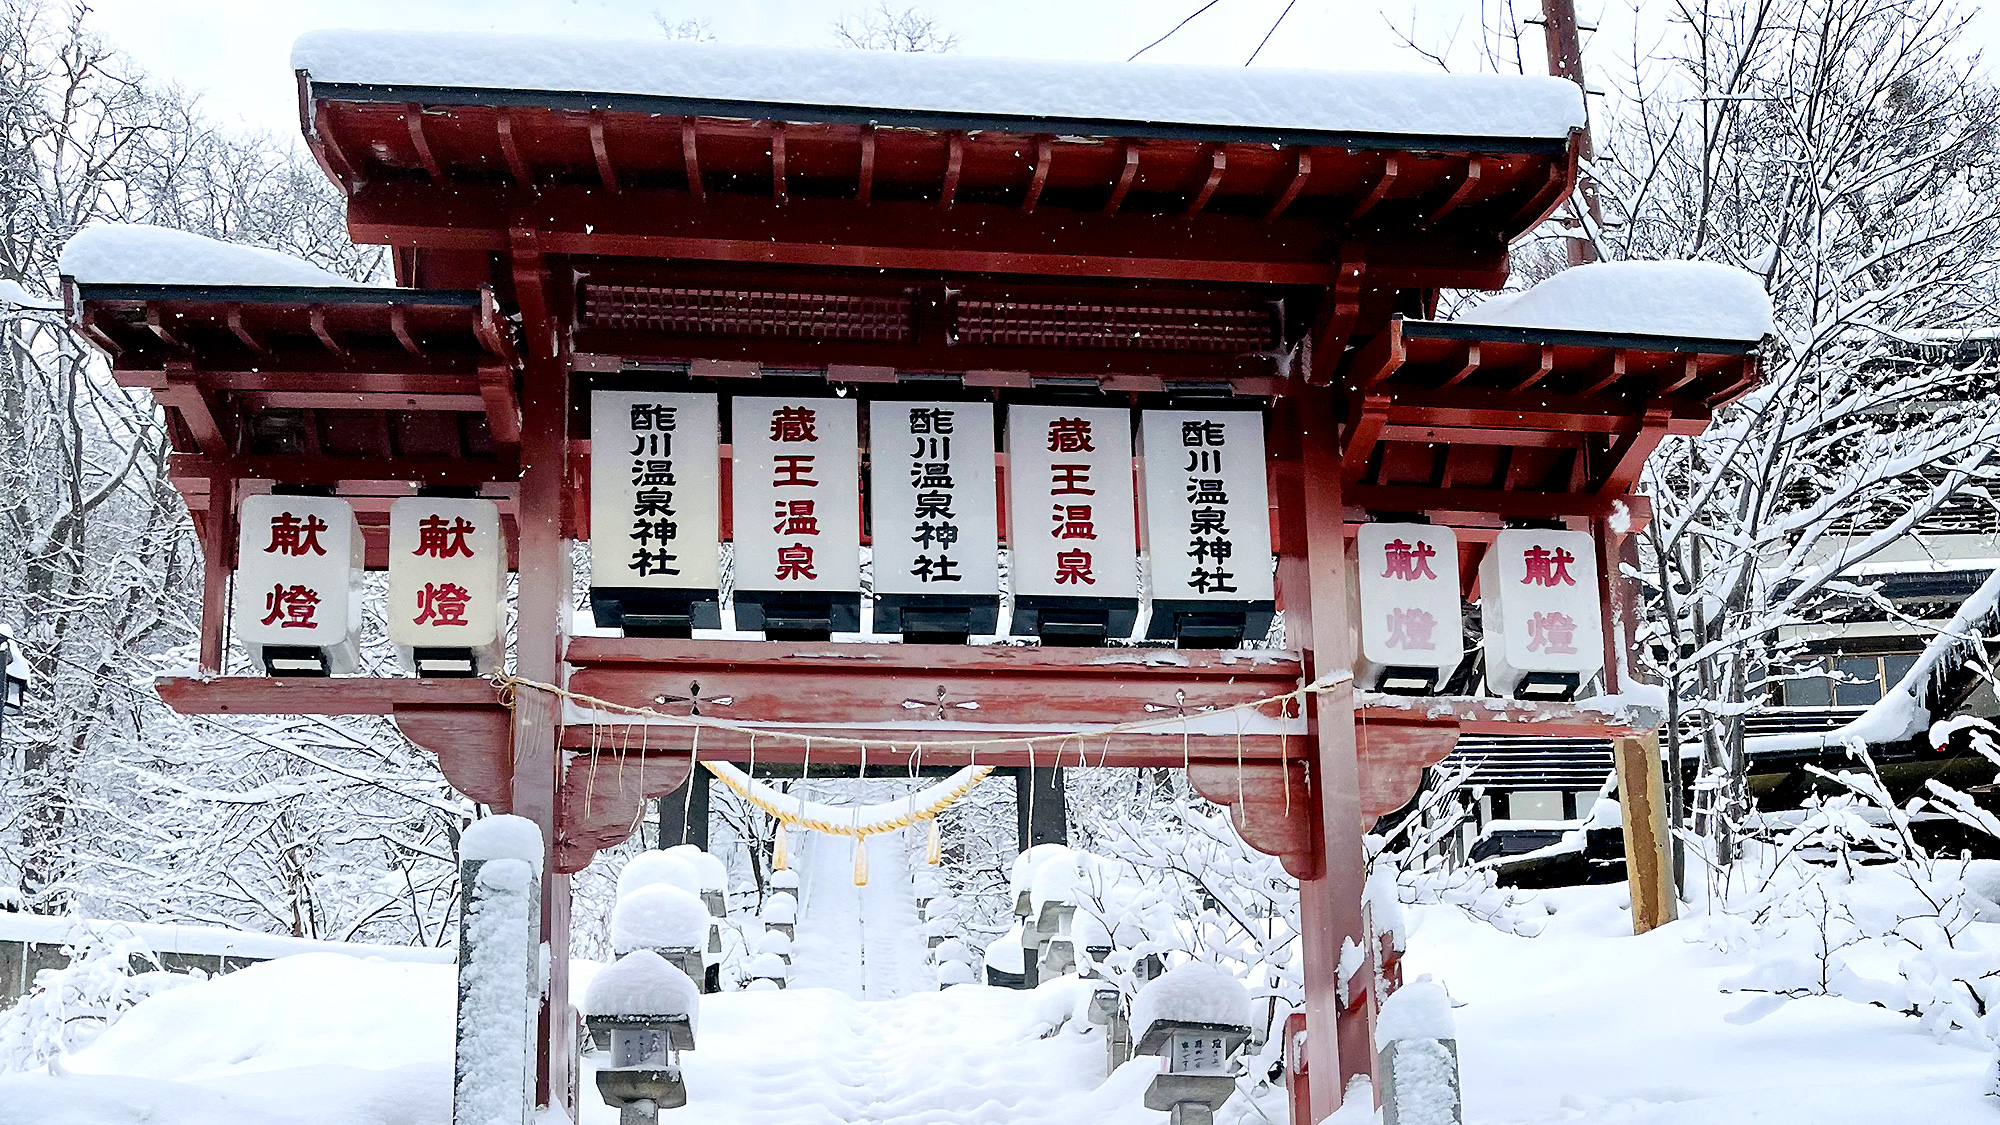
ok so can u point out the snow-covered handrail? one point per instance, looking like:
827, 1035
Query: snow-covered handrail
850, 820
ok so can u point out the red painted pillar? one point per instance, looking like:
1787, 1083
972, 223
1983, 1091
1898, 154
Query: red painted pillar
1339, 1037
544, 601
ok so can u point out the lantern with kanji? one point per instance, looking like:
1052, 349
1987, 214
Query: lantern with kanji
1410, 628
299, 561
1543, 613
447, 583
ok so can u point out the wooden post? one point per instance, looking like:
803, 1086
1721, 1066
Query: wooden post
544, 602
1041, 808
684, 812
1339, 1025
1642, 806
498, 967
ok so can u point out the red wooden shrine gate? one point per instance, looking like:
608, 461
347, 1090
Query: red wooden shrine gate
543, 240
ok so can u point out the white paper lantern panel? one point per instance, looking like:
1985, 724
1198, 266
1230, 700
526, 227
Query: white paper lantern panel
1542, 611
1208, 524
447, 584
298, 576
1072, 526
655, 508
934, 516
1411, 617
796, 511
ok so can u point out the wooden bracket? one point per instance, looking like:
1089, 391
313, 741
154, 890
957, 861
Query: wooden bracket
1393, 757
1270, 804
472, 745
603, 798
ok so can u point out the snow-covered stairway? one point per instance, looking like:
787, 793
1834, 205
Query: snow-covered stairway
860, 1038
864, 941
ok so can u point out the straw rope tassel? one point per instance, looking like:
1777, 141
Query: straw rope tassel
934, 848
860, 855
778, 857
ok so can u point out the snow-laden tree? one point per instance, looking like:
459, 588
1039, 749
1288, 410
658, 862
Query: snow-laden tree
109, 803
1847, 155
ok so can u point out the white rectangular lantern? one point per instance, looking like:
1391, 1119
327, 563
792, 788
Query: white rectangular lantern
934, 514
1207, 524
655, 531
1071, 535
796, 511
1543, 614
447, 585
298, 575
1412, 627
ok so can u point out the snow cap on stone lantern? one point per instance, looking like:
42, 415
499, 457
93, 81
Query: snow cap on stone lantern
299, 561
655, 512
1411, 624
1543, 613
796, 513
447, 585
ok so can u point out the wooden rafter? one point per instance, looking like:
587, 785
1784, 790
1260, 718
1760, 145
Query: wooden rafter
954, 166
864, 191
1218, 163
317, 317
414, 115
1302, 170
1390, 167
779, 190
607, 174
1467, 184
510, 151
1045, 150
1127, 173
690, 159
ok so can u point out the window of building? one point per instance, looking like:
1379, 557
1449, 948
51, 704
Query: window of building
1845, 680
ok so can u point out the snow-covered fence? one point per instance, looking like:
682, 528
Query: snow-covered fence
34, 943
645, 1010
499, 971
1419, 1054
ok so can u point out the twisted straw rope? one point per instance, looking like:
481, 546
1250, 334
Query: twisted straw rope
509, 686
943, 800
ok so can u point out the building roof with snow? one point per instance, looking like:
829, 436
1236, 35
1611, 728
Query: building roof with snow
936, 92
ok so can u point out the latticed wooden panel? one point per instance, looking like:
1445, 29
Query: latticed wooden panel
743, 312
1182, 329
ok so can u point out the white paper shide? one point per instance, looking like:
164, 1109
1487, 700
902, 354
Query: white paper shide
298, 576
1070, 518
1411, 616
1542, 607
796, 494
447, 580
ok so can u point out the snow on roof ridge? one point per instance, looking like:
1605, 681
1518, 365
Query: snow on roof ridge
1697, 300
1409, 103
137, 254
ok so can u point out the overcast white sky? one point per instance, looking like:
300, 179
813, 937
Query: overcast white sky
237, 50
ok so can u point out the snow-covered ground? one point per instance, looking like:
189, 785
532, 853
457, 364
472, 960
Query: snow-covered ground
1582, 1023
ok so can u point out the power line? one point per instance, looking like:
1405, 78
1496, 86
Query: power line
1176, 27
1271, 32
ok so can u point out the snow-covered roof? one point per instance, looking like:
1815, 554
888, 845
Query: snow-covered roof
1692, 300
135, 254
727, 81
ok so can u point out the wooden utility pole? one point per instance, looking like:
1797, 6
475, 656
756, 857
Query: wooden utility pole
1642, 801
1565, 47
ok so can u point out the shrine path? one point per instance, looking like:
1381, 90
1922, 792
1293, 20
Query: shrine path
861, 1037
